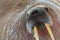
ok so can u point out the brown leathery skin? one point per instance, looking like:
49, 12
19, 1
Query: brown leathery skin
10, 21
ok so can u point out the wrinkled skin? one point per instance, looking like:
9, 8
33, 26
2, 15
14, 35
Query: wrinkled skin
12, 27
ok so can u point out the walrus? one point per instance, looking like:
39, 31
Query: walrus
13, 19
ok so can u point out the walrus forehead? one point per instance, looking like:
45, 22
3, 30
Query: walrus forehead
35, 8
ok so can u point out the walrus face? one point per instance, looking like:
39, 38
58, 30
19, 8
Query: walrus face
38, 17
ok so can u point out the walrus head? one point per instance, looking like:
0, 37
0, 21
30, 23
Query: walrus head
13, 23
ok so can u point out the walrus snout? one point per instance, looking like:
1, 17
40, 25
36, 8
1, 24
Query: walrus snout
38, 17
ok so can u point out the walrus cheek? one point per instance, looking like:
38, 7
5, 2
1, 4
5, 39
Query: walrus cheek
29, 26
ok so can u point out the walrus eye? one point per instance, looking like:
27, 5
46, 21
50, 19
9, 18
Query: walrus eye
46, 9
34, 12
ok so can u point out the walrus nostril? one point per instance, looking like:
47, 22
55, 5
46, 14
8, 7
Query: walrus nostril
34, 12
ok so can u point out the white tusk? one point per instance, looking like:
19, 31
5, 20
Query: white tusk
50, 31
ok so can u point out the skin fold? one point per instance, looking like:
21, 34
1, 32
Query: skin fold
13, 20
